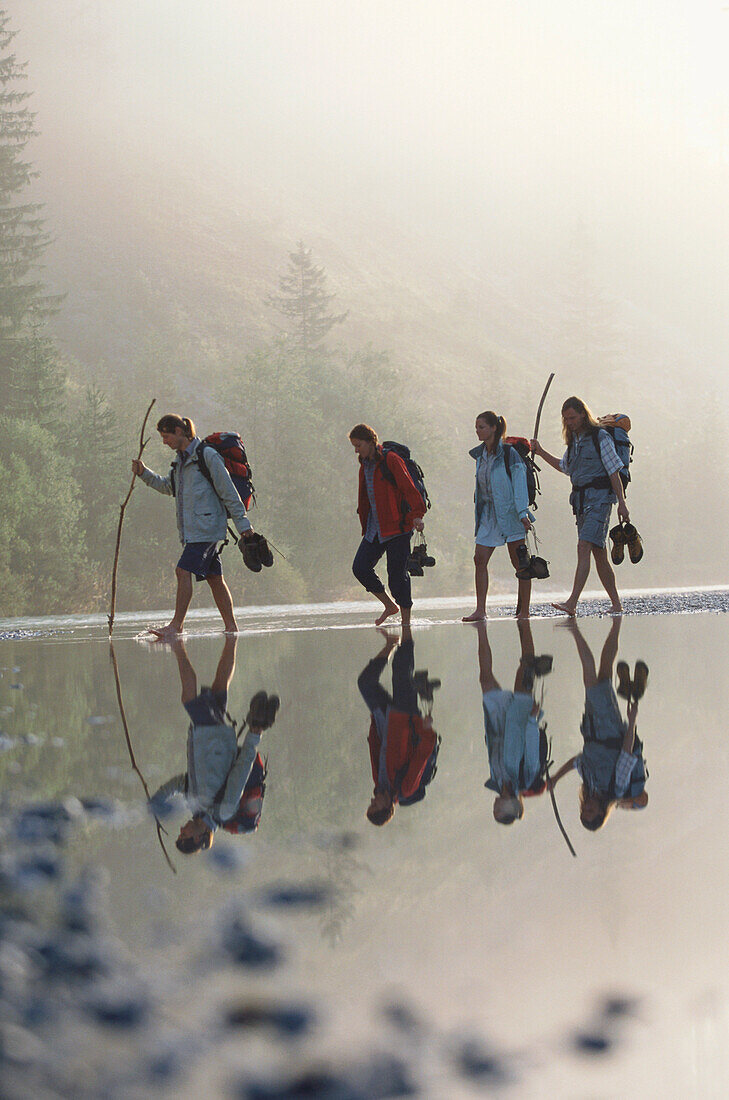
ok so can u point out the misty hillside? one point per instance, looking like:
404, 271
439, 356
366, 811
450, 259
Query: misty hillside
166, 286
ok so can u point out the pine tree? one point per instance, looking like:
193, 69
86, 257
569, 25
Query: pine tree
303, 300
29, 372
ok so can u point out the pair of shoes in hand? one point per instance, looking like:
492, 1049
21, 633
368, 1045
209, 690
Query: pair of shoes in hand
622, 535
262, 711
635, 688
256, 552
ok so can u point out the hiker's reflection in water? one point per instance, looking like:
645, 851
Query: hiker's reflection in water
611, 763
225, 781
515, 740
403, 744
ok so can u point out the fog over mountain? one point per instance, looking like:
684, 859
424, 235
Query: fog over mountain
495, 190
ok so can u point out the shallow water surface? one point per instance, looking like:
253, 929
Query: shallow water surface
440, 954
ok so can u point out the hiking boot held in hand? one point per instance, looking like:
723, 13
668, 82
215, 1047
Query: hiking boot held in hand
262, 710
635, 543
623, 674
249, 549
264, 551
640, 679
618, 538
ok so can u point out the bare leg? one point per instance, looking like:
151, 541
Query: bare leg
389, 605
526, 641
405, 617
182, 602
589, 671
582, 572
226, 665
607, 576
485, 660
481, 560
524, 590
224, 603
609, 650
188, 680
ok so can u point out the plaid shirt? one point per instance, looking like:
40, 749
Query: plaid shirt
608, 454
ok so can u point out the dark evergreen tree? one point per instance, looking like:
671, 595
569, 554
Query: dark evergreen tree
30, 374
304, 301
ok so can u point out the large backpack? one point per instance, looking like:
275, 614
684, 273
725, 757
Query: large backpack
617, 425
522, 448
415, 471
229, 446
431, 767
248, 814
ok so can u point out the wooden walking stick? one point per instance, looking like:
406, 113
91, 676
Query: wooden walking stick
554, 800
135, 767
541, 405
142, 444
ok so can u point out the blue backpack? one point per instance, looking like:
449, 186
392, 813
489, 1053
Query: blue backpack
617, 425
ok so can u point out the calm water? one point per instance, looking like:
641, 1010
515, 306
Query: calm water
439, 955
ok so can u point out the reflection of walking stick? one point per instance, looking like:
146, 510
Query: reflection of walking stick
142, 445
546, 768
541, 405
160, 827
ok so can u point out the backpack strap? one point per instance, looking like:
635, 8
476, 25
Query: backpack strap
507, 458
202, 464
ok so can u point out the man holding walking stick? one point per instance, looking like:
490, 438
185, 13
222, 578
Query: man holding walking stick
202, 509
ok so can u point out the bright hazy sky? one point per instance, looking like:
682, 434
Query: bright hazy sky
499, 121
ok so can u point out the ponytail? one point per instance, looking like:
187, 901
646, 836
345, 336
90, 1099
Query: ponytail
171, 422
494, 421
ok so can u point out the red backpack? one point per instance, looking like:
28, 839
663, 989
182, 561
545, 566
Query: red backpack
247, 816
229, 446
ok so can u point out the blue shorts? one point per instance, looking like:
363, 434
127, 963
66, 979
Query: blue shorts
207, 708
593, 524
202, 559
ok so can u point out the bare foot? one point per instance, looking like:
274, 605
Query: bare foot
616, 609
165, 633
522, 616
476, 617
566, 609
390, 609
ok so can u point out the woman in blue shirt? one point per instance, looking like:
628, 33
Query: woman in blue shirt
502, 509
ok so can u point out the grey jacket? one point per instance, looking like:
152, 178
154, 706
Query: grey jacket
217, 773
201, 509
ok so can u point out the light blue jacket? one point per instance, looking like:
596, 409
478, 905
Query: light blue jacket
510, 495
514, 757
201, 509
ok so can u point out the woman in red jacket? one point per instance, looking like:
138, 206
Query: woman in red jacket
389, 507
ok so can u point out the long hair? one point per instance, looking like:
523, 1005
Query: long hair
494, 421
364, 432
578, 406
171, 421
605, 806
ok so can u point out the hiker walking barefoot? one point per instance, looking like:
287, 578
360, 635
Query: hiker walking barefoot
389, 507
516, 746
201, 518
593, 466
611, 764
502, 510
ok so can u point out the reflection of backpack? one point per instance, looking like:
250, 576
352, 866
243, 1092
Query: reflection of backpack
247, 816
522, 448
539, 784
412, 467
431, 767
229, 446
617, 425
